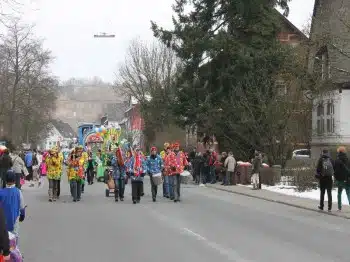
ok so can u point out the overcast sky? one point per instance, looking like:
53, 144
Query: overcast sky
68, 27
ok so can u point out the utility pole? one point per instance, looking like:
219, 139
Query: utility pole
104, 35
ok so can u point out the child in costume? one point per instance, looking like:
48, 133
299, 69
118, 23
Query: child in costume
11, 199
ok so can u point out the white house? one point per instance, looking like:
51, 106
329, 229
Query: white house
328, 58
59, 132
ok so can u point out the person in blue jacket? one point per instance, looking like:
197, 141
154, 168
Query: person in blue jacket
154, 166
11, 200
119, 174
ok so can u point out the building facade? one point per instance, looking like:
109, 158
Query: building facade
329, 60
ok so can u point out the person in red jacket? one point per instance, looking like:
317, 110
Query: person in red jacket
176, 163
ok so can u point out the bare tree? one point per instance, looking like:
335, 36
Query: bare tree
147, 69
27, 85
148, 74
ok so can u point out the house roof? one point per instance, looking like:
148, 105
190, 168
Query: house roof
292, 26
64, 128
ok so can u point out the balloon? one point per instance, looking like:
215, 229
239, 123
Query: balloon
96, 129
100, 130
104, 131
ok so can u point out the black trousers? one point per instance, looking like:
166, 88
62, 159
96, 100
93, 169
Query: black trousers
136, 190
90, 175
154, 188
58, 188
326, 184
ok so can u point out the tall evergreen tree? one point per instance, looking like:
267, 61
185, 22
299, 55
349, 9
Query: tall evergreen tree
232, 60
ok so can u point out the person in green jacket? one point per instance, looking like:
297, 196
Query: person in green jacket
100, 165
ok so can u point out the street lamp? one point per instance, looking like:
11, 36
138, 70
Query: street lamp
104, 35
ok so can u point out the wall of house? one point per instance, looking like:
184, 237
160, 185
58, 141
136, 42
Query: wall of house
341, 135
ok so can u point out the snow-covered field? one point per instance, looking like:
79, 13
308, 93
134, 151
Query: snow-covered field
312, 194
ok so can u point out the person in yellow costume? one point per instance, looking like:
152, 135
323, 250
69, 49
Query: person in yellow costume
76, 172
61, 157
163, 154
53, 173
85, 156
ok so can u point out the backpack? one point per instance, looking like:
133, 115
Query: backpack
327, 167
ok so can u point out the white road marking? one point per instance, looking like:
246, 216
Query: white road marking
231, 254
194, 234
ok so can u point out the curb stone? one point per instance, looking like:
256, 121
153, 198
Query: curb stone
281, 202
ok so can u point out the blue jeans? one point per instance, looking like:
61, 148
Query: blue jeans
171, 186
166, 186
119, 187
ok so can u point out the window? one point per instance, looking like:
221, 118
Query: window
322, 65
325, 118
281, 88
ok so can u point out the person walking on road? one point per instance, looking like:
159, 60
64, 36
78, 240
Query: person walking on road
76, 172
342, 175
90, 169
119, 174
137, 172
19, 168
163, 155
154, 167
325, 172
176, 162
230, 165
28, 159
53, 163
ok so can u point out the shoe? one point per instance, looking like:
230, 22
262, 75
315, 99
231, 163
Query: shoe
329, 210
50, 199
154, 199
54, 200
122, 199
137, 201
134, 201
78, 199
175, 200
320, 208
74, 200
116, 199
142, 194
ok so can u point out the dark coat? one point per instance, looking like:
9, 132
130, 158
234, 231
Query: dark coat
342, 168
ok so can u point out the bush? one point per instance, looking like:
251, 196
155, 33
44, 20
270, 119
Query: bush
302, 173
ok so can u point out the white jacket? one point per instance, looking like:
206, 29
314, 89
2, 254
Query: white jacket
18, 165
230, 163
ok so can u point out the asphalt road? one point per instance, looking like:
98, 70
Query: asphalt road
206, 226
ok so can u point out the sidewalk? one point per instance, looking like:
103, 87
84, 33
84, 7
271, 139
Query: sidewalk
293, 201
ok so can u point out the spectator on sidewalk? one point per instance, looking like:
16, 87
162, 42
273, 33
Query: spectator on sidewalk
342, 175
257, 162
198, 164
5, 164
222, 168
230, 165
325, 172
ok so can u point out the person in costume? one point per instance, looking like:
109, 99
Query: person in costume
90, 169
119, 174
85, 157
76, 172
61, 157
163, 154
53, 165
12, 202
137, 169
100, 164
154, 166
176, 162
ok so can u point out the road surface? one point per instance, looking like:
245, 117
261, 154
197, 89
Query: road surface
207, 226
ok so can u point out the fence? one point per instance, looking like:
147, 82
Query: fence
298, 173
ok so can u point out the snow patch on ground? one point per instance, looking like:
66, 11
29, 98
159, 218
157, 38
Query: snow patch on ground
312, 194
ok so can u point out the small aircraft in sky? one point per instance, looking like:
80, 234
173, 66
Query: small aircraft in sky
104, 35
